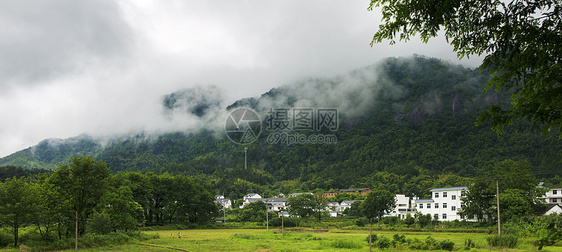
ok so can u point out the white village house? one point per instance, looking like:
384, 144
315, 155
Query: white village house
552, 209
402, 208
299, 193
345, 205
276, 204
553, 196
249, 198
223, 202
444, 204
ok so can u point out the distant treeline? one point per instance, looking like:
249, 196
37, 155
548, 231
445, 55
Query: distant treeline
85, 189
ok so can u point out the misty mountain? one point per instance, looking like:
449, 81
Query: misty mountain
199, 101
399, 119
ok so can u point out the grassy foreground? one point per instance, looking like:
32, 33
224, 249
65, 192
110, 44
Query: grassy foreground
295, 240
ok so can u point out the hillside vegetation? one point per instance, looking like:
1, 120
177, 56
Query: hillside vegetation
405, 125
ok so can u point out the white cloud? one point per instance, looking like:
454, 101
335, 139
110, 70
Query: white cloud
101, 67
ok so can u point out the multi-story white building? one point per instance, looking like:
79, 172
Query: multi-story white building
554, 196
444, 203
402, 207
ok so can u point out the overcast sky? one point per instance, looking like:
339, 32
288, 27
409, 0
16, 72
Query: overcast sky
101, 67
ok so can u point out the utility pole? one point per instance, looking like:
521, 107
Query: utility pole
76, 234
498, 201
267, 216
246, 158
282, 224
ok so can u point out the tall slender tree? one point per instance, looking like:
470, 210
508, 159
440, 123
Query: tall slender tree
83, 182
18, 205
375, 205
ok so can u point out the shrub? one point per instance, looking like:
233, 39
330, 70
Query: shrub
383, 243
373, 238
508, 241
361, 221
399, 238
390, 220
287, 222
431, 244
5, 237
416, 244
446, 245
101, 223
468, 244
345, 244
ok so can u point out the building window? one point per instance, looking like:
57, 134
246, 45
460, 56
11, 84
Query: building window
454, 197
435, 216
428, 205
554, 200
444, 194
453, 208
421, 206
436, 205
436, 195
462, 193
444, 216
462, 204
554, 192
444, 205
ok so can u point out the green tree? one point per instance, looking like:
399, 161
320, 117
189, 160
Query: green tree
139, 185
515, 203
19, 200
192, 199
519, 195
377, 203
354, 210
123, 211
410, 220
160, 198
254, 211
520, 39
422, 219
53, 207
515, 175
83, 182
479, 200
304, 205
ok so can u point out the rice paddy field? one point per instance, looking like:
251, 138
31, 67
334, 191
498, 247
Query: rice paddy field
300, 240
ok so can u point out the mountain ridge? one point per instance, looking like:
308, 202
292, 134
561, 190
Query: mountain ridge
403, 116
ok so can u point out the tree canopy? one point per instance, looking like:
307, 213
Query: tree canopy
521, 40
519, 195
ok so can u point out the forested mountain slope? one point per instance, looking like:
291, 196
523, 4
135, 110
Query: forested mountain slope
406, 124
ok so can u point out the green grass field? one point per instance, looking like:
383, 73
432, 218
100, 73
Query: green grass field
295, 240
